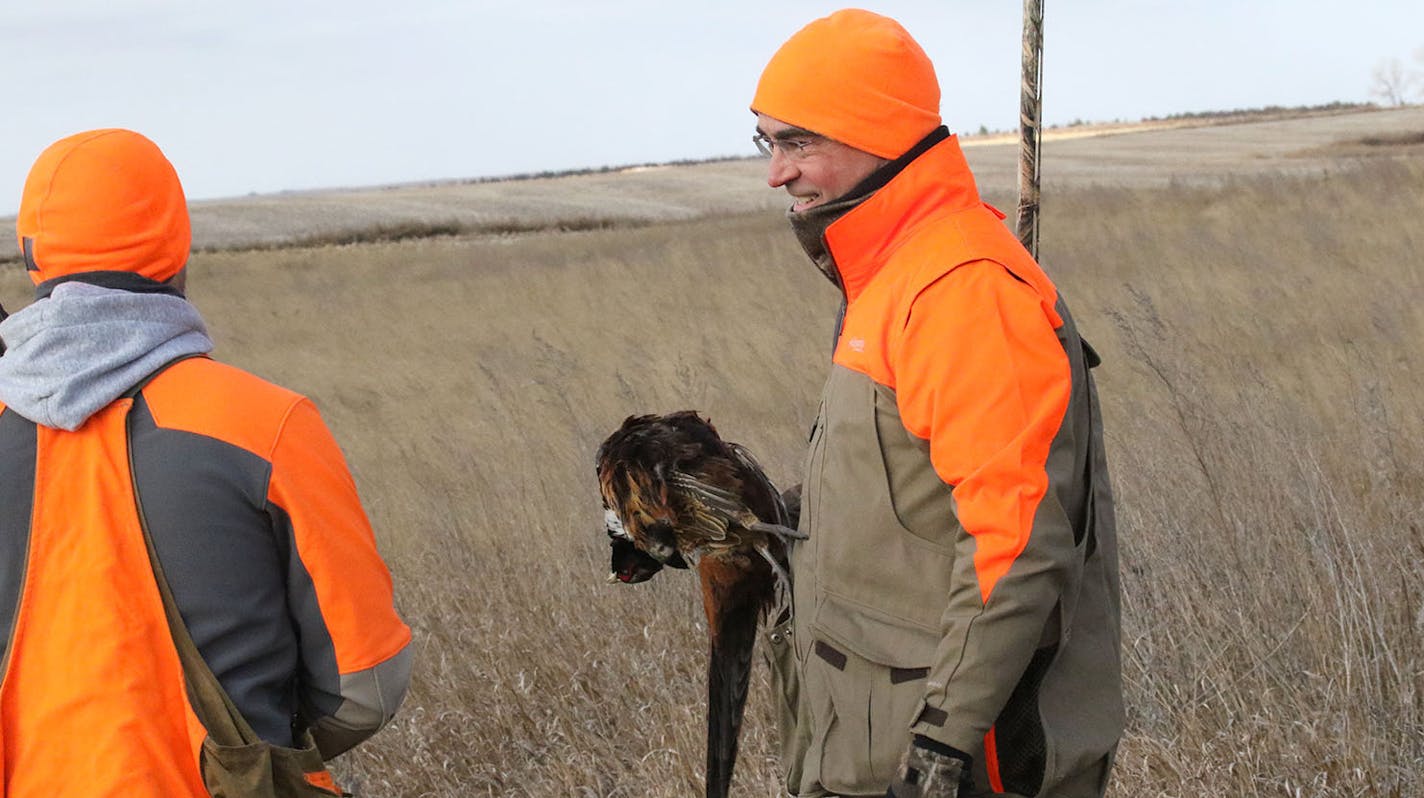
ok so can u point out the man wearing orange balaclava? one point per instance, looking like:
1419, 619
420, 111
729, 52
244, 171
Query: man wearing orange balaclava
956, 624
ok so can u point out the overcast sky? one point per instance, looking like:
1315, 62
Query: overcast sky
266, 95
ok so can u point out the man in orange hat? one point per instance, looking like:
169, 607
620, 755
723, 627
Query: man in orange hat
956, 624
115, 423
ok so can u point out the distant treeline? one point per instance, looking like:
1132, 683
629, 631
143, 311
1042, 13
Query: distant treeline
592, 170
1232, 115
1269, 110
419, 229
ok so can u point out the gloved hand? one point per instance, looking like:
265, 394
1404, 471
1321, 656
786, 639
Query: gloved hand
930, 769
791, 499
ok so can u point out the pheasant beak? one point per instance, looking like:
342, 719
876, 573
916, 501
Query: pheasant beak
629, 564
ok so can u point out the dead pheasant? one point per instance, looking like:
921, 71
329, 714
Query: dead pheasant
675, 493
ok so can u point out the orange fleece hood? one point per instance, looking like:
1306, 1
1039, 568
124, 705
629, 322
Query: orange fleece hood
856, 77
103, 200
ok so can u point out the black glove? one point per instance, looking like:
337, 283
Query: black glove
930, 769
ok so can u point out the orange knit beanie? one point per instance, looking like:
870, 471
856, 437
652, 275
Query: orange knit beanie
856, 77
103, 200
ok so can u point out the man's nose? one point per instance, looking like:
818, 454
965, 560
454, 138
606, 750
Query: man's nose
780, 169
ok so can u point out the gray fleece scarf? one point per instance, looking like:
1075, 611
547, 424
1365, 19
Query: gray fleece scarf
70, 355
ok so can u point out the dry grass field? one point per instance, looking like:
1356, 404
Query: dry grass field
1263, 385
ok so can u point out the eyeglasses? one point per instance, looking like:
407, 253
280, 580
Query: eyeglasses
795, 149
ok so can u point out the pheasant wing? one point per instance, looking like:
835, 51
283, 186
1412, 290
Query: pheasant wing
711, 509
715, 508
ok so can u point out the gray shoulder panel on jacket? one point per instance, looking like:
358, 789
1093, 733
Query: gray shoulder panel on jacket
18, 441
370, 699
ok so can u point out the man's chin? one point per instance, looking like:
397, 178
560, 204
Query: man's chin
801, 206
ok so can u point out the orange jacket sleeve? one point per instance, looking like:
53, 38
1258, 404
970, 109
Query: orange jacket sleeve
981, 374
355, 649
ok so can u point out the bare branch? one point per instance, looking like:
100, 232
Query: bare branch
1391, 82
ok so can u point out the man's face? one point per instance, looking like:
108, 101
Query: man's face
814, 169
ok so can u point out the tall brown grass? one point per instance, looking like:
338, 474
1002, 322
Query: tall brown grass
1263, 382
1265, 396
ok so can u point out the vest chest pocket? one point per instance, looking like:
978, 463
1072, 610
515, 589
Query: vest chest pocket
881, 586
922, 502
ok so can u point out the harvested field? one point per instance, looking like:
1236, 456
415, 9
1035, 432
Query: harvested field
1149, 154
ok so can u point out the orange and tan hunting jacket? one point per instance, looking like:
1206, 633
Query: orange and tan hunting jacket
956, 492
